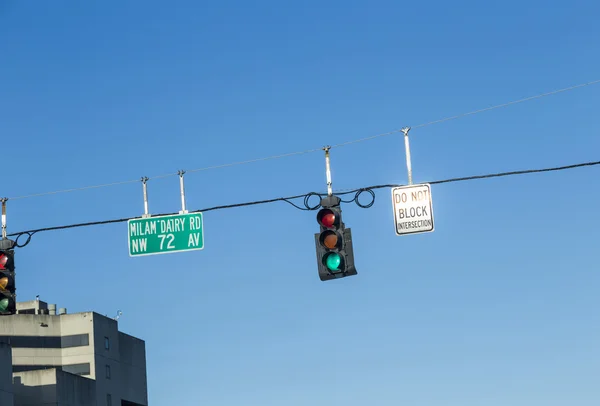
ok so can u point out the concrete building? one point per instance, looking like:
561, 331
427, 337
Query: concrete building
75, 359
6, 387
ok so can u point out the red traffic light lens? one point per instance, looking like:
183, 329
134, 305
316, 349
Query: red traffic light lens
327, 218
3, 261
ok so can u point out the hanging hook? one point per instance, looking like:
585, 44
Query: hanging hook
181, 187
328, 170
145, 189
4, 200
405, 130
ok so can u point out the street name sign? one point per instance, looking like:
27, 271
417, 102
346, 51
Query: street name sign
165, 234
413, 209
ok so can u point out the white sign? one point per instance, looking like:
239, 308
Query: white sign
413, 210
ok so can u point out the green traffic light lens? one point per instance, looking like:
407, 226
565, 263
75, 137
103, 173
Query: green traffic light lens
333, 261
4, 305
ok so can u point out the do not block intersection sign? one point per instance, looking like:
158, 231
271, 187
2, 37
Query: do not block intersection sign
413, 209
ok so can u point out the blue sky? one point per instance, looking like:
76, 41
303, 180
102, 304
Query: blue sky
497, 307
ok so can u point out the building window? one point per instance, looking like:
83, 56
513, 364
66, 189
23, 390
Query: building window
108, 372
106, 343
75, 369
108, 399
78, 340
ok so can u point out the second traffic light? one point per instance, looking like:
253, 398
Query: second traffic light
7, 283
335, 254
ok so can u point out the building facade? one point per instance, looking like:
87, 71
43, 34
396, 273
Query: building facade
79, 358
6, 387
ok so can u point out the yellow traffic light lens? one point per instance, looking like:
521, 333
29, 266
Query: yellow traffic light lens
3, 283
329, 239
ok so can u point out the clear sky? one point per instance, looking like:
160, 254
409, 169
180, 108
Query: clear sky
499, 306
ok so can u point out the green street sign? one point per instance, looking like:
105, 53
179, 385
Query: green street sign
166, 234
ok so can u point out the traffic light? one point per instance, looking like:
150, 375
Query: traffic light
7, 283
335, 255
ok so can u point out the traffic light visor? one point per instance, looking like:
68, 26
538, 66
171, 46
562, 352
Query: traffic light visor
327, 218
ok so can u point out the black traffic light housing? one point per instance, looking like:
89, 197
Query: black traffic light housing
8, 297
335, 254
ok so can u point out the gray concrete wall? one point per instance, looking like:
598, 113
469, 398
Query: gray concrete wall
75, 390
105, 327
29, 325
32, 304
35, 388
6, 389
78, 323
52, 387
134, 386
33, 325
126, 357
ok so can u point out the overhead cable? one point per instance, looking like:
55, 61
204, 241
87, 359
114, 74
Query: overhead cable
307, 197
285, 155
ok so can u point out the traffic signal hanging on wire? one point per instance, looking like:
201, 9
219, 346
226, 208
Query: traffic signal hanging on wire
335, 254
7, 282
